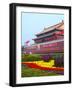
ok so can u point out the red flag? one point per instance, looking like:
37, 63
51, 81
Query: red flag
27, 42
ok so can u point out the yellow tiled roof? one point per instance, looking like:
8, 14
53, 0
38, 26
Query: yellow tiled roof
59, 26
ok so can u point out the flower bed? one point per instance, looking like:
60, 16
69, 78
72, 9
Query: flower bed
35, 65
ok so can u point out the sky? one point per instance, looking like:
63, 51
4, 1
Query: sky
33, 23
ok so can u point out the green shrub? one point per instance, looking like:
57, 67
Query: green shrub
30, 57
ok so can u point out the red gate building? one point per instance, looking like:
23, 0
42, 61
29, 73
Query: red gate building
51, 39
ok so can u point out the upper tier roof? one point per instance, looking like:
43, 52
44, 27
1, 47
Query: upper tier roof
59, 26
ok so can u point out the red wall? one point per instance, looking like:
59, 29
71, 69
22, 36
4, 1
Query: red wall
55, 47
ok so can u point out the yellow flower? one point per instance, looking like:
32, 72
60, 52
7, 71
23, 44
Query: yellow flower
45, 64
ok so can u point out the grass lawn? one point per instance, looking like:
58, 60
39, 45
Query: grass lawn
32, 72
